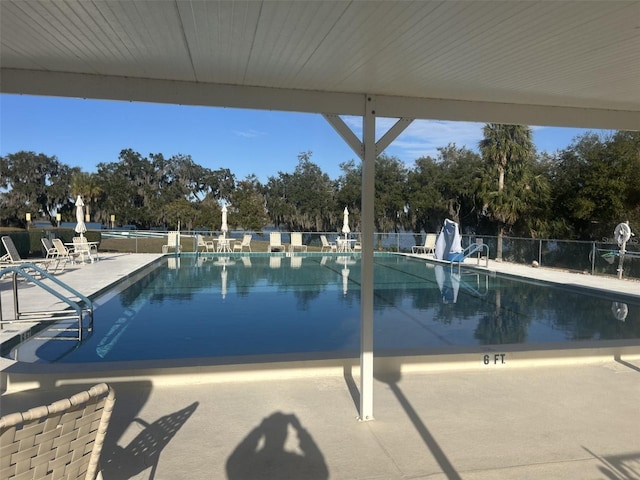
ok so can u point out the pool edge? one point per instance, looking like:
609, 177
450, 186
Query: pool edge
19, 376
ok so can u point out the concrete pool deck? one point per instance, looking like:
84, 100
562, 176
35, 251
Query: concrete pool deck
515, 420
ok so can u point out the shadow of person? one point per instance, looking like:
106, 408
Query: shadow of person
262, 454
144, 450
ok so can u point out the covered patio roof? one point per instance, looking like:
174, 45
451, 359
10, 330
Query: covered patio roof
538, 62
570, 63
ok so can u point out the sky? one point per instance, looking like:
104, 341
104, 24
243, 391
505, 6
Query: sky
82, 133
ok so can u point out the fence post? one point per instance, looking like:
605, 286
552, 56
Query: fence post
540, 252
593, 258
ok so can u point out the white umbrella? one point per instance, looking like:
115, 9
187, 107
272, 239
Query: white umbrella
80, 227
345, 224
224, 226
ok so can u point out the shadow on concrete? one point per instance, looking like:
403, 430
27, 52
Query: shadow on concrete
618, 467
263, 453
626, 364
144, 450
351, 385
392, 378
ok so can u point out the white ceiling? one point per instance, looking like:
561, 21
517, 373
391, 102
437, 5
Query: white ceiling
571, 63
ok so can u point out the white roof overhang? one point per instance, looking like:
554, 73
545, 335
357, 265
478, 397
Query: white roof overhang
570, 63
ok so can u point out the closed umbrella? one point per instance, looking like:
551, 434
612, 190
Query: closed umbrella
224, 226
345, 225
80, 226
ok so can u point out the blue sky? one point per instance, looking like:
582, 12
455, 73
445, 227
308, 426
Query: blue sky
86, 132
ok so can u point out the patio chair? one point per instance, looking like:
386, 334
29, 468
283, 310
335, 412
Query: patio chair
63, 251
206, 245
275, 242
429, 245
246, 242
12, 257
60, 440
357, 246
327, 246
83, 247
296, 242
173, 241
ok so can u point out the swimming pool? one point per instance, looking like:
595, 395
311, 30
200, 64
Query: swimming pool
212, 306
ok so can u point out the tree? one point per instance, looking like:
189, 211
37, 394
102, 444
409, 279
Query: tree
426, 206
348, 194
458, 179
505, 148
35, 184
391, 198
248, 205
596, 182
303, 200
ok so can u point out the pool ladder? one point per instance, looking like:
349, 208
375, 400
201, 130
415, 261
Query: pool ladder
79, 306
473, 249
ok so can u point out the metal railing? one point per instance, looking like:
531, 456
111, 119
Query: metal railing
78, 307
592, 257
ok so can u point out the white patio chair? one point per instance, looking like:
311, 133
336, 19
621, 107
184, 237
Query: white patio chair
60, 440
327, 246
275, 242
296, 242
240, 245
429, 245
206, 245
173, 241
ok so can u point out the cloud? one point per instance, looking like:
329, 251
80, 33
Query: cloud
423, 137
248, 133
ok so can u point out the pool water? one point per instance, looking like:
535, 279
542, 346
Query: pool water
211, 306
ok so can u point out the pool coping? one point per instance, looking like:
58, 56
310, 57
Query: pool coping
18, 376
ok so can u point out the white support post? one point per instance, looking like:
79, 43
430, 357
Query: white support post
366, 291
368, 150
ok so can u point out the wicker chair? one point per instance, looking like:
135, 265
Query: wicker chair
61, 440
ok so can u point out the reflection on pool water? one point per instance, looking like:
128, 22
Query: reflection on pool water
211, 306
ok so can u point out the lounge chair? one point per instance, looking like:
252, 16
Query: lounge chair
246, 242
327, 246
173, 241
429, 245
12, 257
50, 250
296, 242
206, 245
60, 440
275, 242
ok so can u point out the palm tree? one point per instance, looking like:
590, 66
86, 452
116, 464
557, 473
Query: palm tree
86, 185
504, 148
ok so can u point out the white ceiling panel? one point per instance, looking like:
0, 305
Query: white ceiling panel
486, 60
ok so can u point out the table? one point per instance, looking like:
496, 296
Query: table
345, 244
224, 245
84, 248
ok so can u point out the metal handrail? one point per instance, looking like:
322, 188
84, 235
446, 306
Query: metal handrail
22, 271
471, 250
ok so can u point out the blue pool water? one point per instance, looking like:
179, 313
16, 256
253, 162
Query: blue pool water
208, 306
